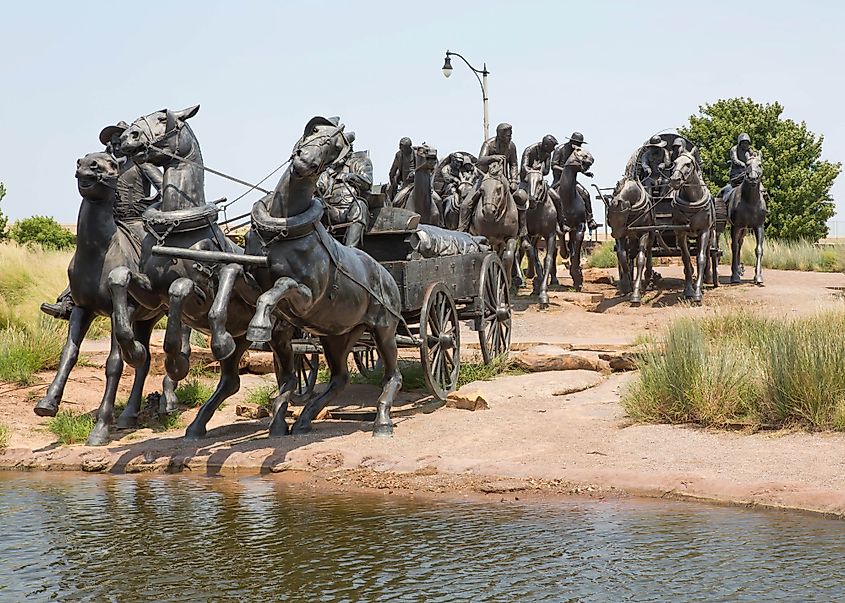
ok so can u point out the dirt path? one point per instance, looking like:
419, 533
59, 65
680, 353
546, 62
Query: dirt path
530, 440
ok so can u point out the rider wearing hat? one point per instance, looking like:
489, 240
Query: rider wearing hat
344, 187
535, 158
679, 145
559, 158
132, 192
654, 160
739, 155
501, 144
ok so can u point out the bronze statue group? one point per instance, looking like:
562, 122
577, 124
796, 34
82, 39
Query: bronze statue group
142, 256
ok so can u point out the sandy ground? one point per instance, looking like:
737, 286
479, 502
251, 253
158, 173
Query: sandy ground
529, 441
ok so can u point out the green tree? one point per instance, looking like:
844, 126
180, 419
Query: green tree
797, 180
44, 231
4, 221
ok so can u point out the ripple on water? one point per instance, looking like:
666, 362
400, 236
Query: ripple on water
172, 538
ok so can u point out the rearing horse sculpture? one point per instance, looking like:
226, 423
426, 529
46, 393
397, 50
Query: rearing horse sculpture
541, 223
316, 283
693, 214
628, 208
103, 245
420, 197
185, 287
572, 210
746, 210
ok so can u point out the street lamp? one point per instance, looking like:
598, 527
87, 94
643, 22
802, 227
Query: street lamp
447, 71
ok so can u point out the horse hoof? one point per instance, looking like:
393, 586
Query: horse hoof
735, 280
544, 300
279, 429
259, 334
177, 368
125, 421
222, 347
758, 282
46, 408
194, 434
300, 430
635, 302
168, 403
99, 436
383, 430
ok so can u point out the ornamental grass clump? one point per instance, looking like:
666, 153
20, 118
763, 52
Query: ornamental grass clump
740, 369
789, 255
603, 256
71, 427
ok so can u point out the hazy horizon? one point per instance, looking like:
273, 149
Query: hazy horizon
260, 70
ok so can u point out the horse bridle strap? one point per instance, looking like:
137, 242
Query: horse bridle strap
272, 229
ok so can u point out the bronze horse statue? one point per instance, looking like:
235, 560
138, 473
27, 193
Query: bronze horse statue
693, 214
419, 197
186, 287
629, 207
746, 210
335, 292
541, 223
103, 245
572, 210
495, 214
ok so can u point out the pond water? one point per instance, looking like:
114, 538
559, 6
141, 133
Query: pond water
173, 538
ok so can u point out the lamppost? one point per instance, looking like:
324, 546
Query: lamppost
447, 71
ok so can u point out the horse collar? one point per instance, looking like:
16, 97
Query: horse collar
271, 229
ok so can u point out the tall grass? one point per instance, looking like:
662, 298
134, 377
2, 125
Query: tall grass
789, 255
738, 368
5, 436
193, 392
25, 350
70, 427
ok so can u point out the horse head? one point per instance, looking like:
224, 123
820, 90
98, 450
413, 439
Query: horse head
96, 176
581, 158
537, 187
682, 168
154, 138
323, 142
754, 168
425, 158
492, 192
627, 196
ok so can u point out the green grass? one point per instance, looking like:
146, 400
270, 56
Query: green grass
70, 427
193, 392
603, 256
198, 339
167, 422
25, 350
741, 369
263, 395
789, 255
5, 436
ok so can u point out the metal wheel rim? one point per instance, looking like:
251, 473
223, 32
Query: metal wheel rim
306, 366
495, 335
367, 361
438, 317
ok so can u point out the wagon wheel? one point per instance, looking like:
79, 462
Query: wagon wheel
495, 333
306, 365
440, 335
367, 361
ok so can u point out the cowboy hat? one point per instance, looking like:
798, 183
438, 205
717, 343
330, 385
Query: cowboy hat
656, 141
577, 137
109, 131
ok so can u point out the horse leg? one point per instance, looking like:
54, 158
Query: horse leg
132, 351
99, 436
385, 338
176, 363
229, 384
575, 258
534, 267
129, 417
701, 263
336, 349
80, 322
622, 264
527, 249
683, 243
548, 267
169, 403
260, 328
283, 358
508, 259
737, 234
758, 251
637, 292
222, 343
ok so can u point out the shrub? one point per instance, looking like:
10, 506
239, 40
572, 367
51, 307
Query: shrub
603, 256
4, 221
43, 231
193, 393
70, 427
738, 368
5, 436
26, 350
789, 255
263, 395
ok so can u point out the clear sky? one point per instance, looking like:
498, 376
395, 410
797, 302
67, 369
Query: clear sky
616, 71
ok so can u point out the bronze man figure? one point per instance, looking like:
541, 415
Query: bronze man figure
133, 197
654, 160
739, 156
501, 144
559, 159
535, 158
402, 166
344, 187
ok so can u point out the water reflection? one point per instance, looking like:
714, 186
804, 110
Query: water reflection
175, 538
